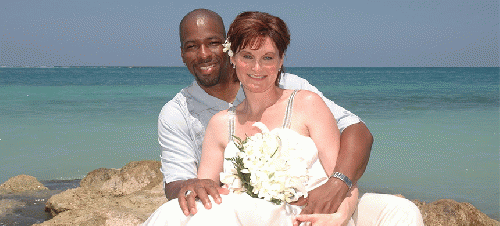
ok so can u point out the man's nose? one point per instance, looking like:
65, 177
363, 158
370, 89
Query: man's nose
204, 52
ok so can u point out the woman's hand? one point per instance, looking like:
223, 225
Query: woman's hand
321, 219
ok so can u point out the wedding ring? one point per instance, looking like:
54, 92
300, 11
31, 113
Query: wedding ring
188, 192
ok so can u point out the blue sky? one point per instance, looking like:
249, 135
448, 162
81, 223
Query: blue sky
364, 33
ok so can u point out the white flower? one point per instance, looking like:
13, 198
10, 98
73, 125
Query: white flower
227, 48
265, 166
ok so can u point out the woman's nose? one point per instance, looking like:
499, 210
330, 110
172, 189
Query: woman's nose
256, 65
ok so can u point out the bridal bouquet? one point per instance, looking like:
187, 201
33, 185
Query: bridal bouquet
263, 168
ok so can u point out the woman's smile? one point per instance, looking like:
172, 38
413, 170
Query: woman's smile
257, 76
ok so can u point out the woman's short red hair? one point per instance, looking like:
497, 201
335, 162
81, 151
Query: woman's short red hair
251, 28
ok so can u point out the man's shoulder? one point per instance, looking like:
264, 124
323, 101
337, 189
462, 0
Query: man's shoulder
288, 77
292, 81
177, 106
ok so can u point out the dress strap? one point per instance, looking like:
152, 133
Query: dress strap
231, 112
289, 107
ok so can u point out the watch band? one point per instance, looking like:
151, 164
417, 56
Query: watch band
343, 178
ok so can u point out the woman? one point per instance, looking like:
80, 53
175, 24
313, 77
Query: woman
257, 43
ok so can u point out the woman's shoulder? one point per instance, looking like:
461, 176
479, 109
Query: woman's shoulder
307, 97
220, 116
219, 120
308, 103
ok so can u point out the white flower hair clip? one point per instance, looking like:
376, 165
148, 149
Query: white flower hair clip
227, 48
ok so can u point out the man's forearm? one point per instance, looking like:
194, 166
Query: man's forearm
355, 147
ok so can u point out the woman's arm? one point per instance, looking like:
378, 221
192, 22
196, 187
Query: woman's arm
322, 128
212, 158
214, 143
312, 112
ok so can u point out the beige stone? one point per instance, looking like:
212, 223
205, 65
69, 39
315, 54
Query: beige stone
450, 212
21, 183
128, 196
8, 205
124, 196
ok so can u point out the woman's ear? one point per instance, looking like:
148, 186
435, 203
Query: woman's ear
231, 61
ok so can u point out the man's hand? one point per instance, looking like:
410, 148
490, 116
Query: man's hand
324, 199
201, 189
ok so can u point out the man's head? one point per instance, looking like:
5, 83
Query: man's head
201, 34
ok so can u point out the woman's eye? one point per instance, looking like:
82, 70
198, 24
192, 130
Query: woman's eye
247, 56
268, 58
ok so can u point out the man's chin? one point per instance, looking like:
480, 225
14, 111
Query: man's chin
207, 82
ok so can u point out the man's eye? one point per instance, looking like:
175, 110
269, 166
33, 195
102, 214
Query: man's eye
190, 46
215, 43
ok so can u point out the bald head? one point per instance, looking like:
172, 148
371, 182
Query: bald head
200, 17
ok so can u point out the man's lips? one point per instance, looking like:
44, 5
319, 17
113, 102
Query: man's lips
205, 68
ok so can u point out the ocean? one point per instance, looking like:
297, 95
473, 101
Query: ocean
436, 130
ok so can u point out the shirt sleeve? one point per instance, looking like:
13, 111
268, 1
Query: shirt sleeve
344, 117
178, 160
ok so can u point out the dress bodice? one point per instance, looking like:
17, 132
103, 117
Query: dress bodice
303, 149
297, 146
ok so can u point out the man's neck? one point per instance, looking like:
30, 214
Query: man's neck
225, 91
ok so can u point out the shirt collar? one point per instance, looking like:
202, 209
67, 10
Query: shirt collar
199, 95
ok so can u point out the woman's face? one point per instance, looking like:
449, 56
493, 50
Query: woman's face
257, 69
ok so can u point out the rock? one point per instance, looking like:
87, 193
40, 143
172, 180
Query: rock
451, 212
7, 206
21, 183
126, 196
131, 178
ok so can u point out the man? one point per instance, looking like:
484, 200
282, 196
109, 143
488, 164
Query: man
182, 122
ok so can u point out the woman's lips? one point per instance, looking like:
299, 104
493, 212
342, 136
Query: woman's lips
256, 76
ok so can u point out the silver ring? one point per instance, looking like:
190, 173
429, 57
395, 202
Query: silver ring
188, 192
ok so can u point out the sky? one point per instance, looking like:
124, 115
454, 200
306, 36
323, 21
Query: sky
363, 33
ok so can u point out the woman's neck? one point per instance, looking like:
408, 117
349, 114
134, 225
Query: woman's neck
257, 103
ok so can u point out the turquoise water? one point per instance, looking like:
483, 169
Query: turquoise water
436, 129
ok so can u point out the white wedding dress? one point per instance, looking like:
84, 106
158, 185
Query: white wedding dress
241, 209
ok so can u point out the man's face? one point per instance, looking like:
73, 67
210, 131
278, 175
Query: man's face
201, 50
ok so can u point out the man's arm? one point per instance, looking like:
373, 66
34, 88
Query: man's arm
355, 146
179, 160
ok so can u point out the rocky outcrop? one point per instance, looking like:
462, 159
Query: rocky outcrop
128, 196
124, 196
21, 183
8, 205
451, 212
